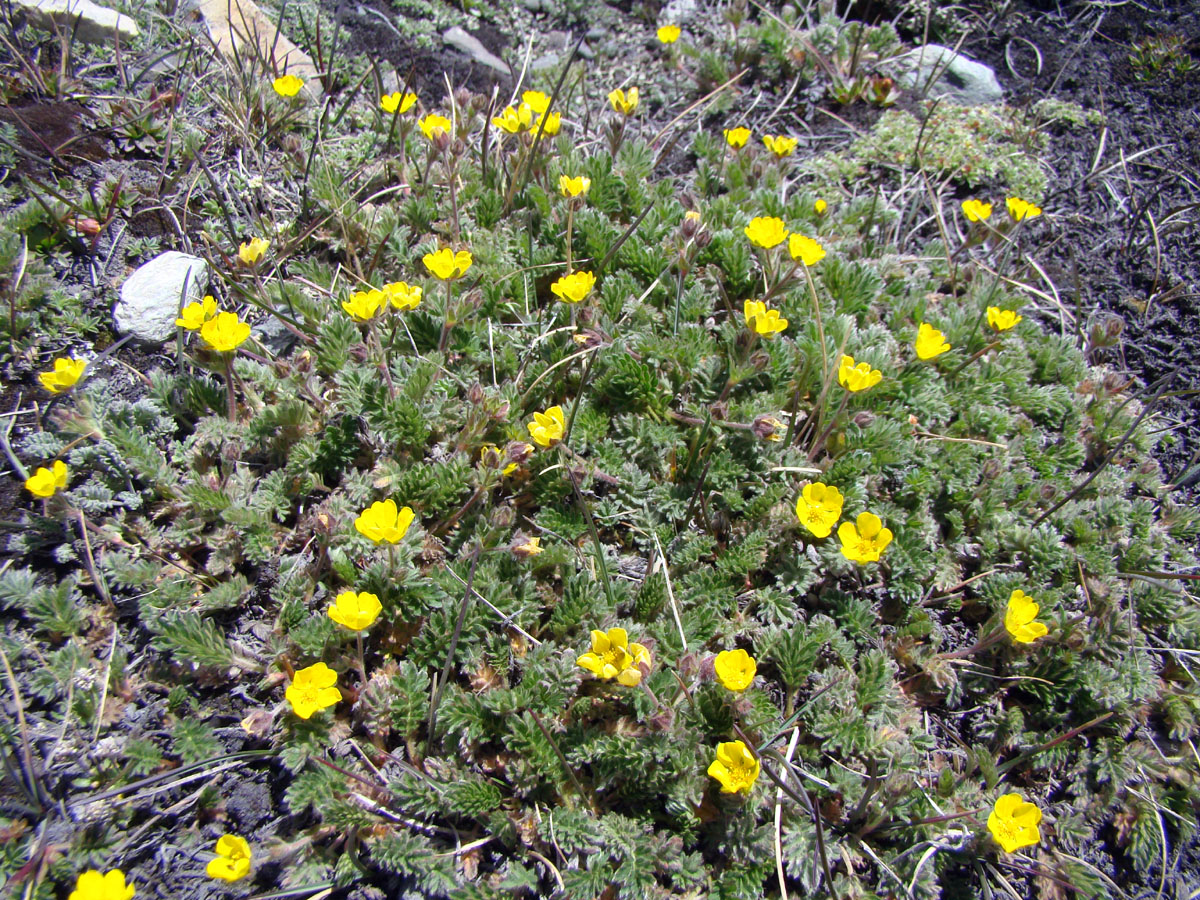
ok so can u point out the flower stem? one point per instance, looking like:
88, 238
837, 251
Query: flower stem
229, 386
447, 323
570, 225
362, 666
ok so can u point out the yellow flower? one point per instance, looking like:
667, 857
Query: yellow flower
287, 85
531, 547
383, 522
574, 287
93, 885
224, 332
855, 378
976, 210
805, 249
1021, 618
446, 264
44, 482
864, 543
1002, 319
1014, 823
232, 861
668, 34
312, 690
536, 101
363, 306
355, 611
761, 320
401, 295
930, 342
553, 123
252, 252
396, 101
1020, 209
66, 372
735, 669
513, 120
547, 427
613, 656
194, 315
781, 146
820, 206
624, 103
766, 231
737, 137
574, 187
735, 767
819, 507
433, 125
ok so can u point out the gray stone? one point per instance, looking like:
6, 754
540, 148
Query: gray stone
596, 33
557, 40
274, 335
679, 12
954, 77
542, 63
532, 5
459, 39
151, 297
86, 20
585, 51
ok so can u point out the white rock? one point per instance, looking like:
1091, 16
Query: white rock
96, 24
459, 39
150, 297
959, 78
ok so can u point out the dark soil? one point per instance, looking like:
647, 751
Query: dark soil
1124, 195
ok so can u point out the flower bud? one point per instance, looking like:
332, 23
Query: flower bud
475, 394
359, 352
768, 428
501, 411
864, 418
489, 456
588, 338
441, 141
1113, 326
462, 97
518, 452
503, 517
703, 238
690, 224
760, 360
1115, 383
459, 147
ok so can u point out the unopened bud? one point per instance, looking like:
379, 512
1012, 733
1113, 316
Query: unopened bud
475, 394
760, 360
768, 428
359, 352
588, 338
462, 97
518, 452
864, 418
503, 517
489, 456
441, 140
1115, 383
690, 224
1113, 326
524, 547
703, 238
